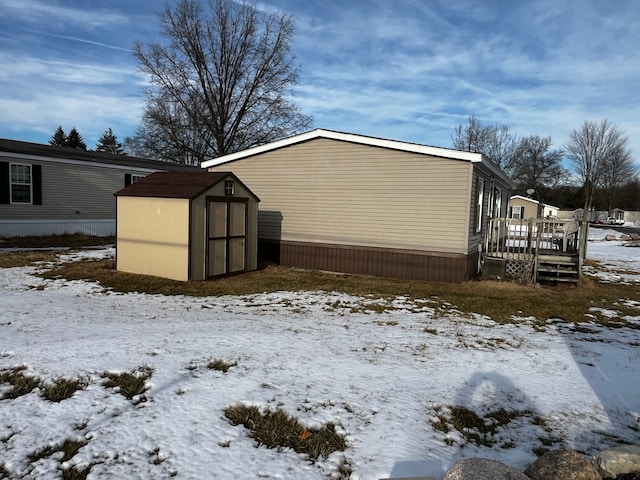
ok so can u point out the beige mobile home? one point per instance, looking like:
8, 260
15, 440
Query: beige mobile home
187, 226
350, 203
524, 207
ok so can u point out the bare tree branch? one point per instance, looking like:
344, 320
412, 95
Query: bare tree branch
223, 81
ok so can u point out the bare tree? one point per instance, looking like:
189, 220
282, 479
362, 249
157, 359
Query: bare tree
591, 149
618, 171
496, 142
536, 166
223, 81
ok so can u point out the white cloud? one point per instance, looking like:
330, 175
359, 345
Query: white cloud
33, 11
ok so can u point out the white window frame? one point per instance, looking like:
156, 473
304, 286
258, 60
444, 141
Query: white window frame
136, 178
519, 214
479, 204
498, 202
18, 182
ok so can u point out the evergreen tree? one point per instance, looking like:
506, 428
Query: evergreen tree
74, 140
59, 138
109, 143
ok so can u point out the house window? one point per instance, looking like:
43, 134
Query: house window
229, 187
20, 183
517, 211
479, 204
130, 178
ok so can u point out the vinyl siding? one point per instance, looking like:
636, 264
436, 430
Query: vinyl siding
477, 238
72, 192
332, 192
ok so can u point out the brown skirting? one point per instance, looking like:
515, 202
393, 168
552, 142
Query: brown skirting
381, 262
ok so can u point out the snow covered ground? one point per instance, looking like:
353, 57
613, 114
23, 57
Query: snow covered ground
383, 378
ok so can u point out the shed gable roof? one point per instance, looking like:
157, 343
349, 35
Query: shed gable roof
186, 185
362, 140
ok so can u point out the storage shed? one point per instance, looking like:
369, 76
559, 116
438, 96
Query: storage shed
187, 226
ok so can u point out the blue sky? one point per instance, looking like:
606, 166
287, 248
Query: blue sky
409, 70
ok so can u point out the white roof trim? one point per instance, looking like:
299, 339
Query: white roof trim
347, 137
26, 157
533, 201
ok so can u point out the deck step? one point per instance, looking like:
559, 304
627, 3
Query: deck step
554, 268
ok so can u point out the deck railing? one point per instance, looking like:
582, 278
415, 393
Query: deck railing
522, 239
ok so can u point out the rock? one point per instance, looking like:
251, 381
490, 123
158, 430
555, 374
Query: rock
482, 469
618, 461
610, 237
562, 464
634, 236
625, 238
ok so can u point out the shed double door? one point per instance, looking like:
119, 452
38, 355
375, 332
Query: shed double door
226, 244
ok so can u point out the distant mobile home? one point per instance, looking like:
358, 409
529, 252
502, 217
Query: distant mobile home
46, 190
187, 226
356, 204
525, 207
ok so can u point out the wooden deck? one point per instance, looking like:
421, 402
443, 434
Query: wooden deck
541, 249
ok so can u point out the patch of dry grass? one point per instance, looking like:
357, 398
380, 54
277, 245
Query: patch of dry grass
62, 388
483, 429
48, 247
24, 259
500, 301
131, 385
20, 383
277, 429
220, 365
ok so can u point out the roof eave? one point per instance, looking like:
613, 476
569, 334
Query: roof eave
346, 137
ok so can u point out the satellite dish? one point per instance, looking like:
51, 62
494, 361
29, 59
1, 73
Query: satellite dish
531, 191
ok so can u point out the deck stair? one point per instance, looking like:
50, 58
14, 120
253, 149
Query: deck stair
555, 268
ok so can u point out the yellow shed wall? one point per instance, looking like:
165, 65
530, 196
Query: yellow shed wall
153, 236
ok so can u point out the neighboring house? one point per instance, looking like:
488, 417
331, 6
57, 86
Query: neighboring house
52, 190
187, 226
350, 203
524, 207
618, 214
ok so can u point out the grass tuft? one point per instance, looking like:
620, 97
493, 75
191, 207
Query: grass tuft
76, 473
476, 429
69, 448
21, 384
277, 429
130, 384
62, 388
220, 365
344, 470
